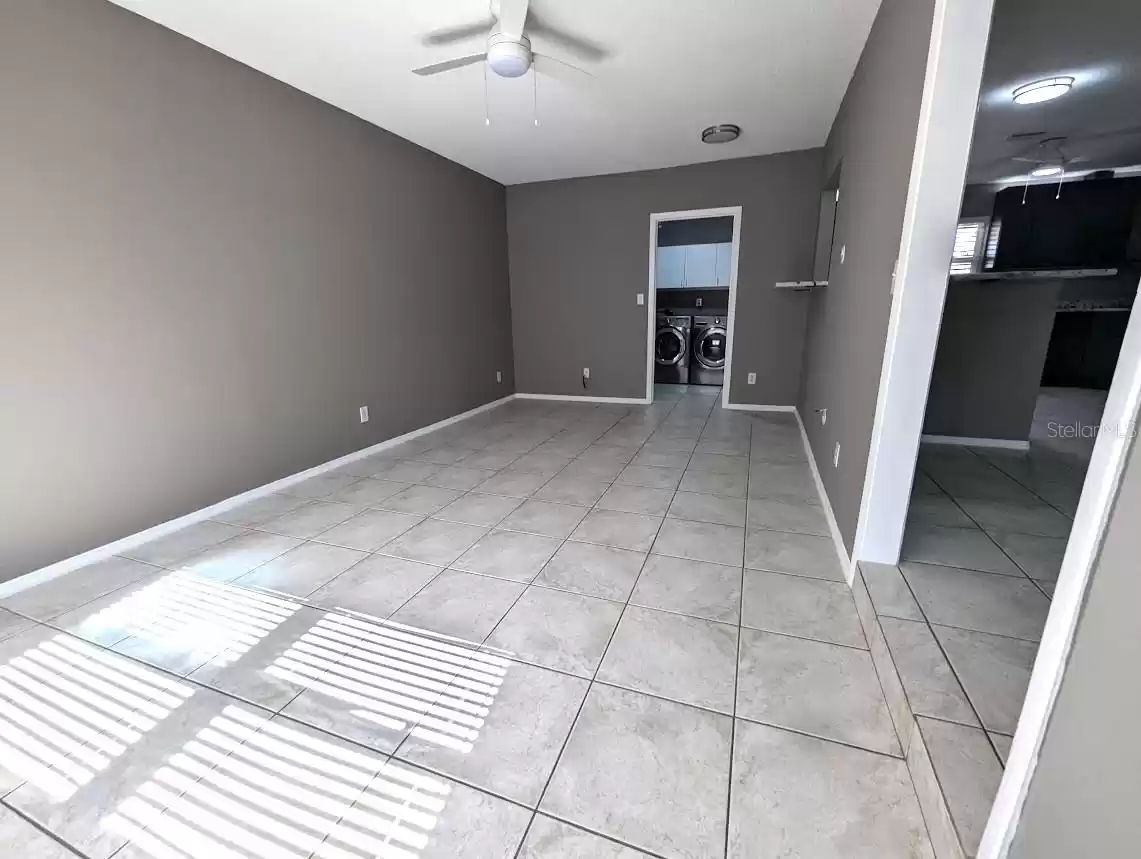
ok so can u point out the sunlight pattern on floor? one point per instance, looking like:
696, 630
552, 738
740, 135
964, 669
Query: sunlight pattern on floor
67, 709
249, 787
399, 677
185, 609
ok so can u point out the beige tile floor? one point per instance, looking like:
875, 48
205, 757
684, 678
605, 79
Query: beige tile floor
553, 630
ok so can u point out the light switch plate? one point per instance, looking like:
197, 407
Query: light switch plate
752, 379
364, 414
641, 299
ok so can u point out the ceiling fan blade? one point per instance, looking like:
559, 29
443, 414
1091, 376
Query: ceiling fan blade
450, 35
561, 70
448, 65
574, 44
512, 17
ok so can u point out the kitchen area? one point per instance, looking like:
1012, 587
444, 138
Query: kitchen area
1040, 294
693, 262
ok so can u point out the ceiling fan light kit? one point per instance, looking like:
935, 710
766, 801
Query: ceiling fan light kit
509, 57
1043, 90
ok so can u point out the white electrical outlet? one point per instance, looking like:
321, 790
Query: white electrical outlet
836, 456
586, 372
843, 253
752, 379
499, 375
364, 414
641, 298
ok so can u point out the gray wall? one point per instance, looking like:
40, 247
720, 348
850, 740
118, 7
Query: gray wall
872, 142
1085, 791
988, 365
579, 255
205, 273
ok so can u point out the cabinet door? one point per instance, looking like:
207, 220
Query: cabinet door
700, 266
669, 267
724, 262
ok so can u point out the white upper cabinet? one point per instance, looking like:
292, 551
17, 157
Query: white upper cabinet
693, 266
669, 267
724, 262
700, 266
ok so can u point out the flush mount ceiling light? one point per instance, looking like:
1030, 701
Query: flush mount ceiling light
1043, 90
723, 133
1047, 170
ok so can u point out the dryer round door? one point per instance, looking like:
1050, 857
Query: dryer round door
709, 347
669, 347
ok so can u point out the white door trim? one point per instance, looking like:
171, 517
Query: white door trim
652, 293
955, 60
1122, 410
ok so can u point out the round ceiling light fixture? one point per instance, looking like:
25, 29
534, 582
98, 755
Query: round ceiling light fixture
507, 57
726, 132
1043, 90
1047, 170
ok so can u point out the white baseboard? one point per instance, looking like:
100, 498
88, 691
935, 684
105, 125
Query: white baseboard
752, 407
567, 398
970, 441
833, 526
100, 553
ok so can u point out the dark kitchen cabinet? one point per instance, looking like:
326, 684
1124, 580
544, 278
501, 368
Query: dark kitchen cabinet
1083, 349
1087, 226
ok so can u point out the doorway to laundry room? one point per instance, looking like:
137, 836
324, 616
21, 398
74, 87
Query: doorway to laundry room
692, 288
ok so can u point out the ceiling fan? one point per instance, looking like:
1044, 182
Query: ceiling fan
1049, 157
508, 52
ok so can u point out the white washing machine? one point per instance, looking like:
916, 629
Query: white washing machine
710, 345
671, 350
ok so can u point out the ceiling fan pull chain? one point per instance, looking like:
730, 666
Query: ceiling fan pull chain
535, 92
1061, 177
486, 107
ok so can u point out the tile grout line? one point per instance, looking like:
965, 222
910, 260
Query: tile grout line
602, 657
43, 829
954, 673
590, 682
737, 660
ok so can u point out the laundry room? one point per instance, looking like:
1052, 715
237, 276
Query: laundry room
693, 266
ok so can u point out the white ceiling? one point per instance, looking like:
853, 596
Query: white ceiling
777, 68
1094, 41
